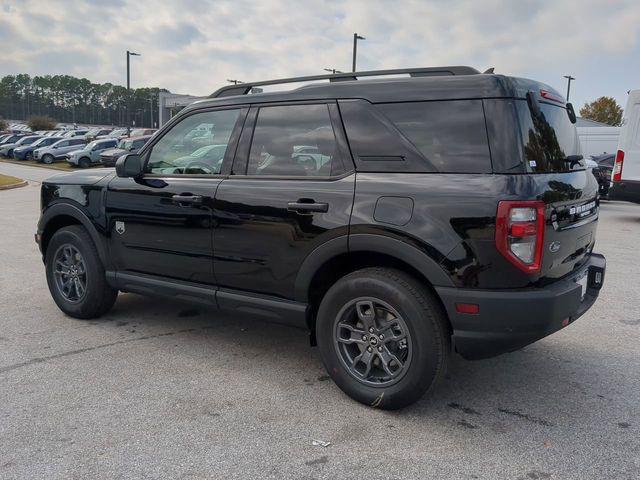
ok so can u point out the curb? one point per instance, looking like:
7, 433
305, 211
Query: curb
24, 183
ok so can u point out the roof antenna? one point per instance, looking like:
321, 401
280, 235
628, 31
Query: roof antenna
489, 70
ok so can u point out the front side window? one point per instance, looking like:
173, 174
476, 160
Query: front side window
293, 140
179, 151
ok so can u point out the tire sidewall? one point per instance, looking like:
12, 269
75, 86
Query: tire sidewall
84, 162
48, 159
426, 341
93, 268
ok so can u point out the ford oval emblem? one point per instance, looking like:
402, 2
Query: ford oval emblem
554, 247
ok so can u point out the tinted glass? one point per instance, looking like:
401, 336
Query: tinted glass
292, 140
450, 134
175, 152
548, 139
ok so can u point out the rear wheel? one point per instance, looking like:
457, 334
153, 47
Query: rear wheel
10, 154
76, 276
29, 155
383, 337
48, 159
84, 162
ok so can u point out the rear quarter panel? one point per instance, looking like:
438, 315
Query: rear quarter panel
454, 215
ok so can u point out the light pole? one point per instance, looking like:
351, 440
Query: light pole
235, 82
569, 78
129, 54
332, 70
356, 37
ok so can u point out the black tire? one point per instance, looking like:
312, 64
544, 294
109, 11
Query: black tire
98, 297
428, 344
29, 156
10, 154
84, 162
48, 159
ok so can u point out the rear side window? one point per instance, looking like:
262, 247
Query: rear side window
451, 135
293, 140
548, 138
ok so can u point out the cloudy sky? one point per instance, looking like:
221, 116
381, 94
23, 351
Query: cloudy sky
193, 46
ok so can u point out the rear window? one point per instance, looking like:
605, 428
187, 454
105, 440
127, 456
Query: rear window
451, 134
549, 139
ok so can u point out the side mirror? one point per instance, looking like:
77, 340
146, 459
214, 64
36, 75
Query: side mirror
572, 113
129, 166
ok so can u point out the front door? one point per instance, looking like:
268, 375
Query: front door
290, 191
161, 224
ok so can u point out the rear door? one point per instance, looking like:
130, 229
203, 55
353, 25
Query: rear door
630, 139
277, 206
71, 145
568, 189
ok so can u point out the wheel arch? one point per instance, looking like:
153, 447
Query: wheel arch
63, 215
340, 256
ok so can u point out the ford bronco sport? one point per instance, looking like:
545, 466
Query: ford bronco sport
396, 218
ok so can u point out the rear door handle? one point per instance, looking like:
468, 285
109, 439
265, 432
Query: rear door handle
196, 199
304, 207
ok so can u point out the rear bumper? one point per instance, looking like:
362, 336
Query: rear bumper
628, 190
511, 319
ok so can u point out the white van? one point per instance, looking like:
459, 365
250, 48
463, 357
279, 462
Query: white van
625, 179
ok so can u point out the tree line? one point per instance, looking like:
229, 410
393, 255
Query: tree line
68, 99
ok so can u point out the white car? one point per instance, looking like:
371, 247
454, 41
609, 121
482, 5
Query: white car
625, 178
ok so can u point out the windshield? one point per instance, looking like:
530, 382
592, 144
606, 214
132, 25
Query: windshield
548, 139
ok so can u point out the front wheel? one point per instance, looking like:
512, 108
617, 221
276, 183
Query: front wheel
48, 159
84, 162
383, 337
29, 156
76, 276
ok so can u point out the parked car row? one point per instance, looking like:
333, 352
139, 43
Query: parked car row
73, 146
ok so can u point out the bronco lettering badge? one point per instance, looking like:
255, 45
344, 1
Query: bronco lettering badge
120, 227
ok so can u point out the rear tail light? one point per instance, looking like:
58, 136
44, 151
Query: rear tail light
520, 233
617, 167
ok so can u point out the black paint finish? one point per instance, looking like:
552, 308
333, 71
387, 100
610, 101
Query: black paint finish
242, 246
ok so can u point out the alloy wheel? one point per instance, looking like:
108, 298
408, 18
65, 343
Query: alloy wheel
70, 273
373, 341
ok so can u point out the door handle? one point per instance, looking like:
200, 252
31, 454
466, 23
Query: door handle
307, 207
195, 199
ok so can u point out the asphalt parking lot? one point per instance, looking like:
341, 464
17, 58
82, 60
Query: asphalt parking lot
160, 389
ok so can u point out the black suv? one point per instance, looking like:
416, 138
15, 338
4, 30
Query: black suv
395, 218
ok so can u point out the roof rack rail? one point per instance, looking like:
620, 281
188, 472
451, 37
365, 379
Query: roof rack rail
245, 88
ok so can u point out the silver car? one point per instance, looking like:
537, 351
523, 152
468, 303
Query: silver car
58, 150
91, 153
